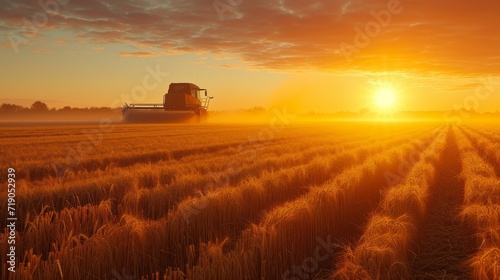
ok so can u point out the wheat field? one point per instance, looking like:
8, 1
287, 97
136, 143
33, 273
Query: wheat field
337, 200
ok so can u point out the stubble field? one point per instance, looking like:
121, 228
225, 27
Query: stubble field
340, 200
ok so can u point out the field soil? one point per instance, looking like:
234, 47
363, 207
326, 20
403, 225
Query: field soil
446, 242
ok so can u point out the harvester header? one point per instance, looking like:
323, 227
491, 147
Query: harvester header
181, 102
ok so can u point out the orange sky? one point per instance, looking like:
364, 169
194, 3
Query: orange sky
308, 55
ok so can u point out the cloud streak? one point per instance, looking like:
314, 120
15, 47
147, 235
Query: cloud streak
137, 54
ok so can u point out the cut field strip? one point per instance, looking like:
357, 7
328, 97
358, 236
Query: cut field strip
445, 243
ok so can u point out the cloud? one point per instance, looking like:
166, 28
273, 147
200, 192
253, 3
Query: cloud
40, 51
450, 36
137, 54
61, 41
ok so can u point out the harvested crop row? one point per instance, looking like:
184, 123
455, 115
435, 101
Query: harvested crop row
488, 149
54, 189
167, 183
52, 230
64, 192
290, 233
218, 207
383, 250
481, 209
84, 199
91, 148
141, 237
487, 130
223, 212
143, 202
236, 170
204, 161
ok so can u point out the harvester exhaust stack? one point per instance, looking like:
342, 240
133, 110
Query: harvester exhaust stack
182, 102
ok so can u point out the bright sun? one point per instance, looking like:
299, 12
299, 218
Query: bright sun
385, 99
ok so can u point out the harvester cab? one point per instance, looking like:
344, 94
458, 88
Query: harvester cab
182, 101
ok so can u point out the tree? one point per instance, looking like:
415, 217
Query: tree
39, 106
66, 109
10, 108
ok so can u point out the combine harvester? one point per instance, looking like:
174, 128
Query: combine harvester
184, 102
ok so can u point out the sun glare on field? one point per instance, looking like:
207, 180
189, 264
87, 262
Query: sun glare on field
385, 99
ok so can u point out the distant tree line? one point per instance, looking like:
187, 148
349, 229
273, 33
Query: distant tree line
41, 107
